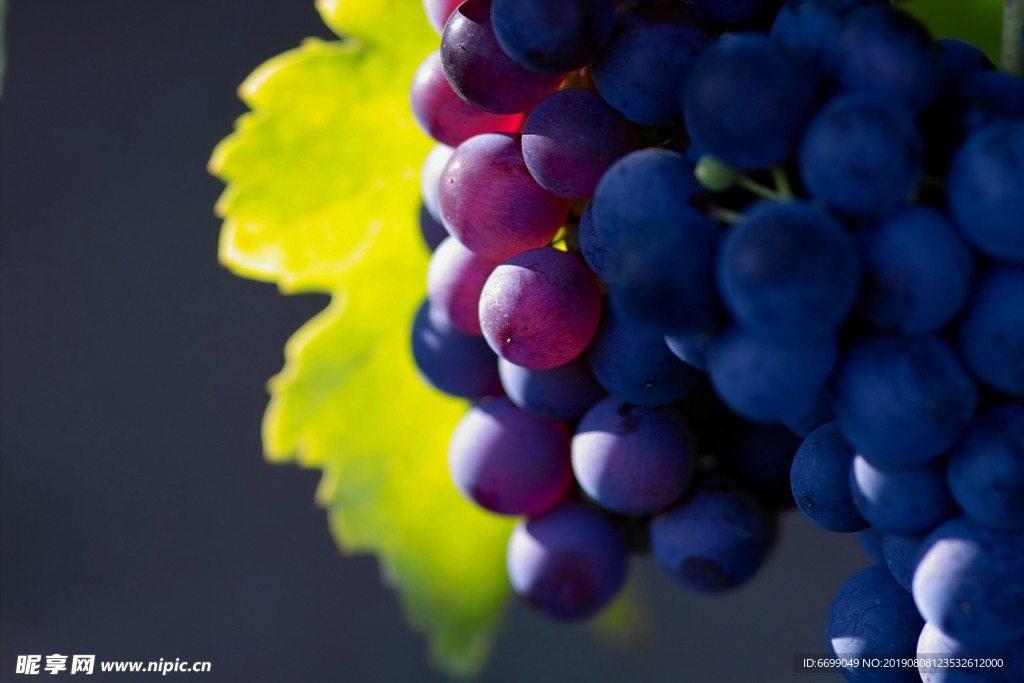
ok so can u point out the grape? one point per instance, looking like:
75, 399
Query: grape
552, 37
571, 139
760, 457
819, 476
872, 616
648, 61
739, 13
968, 582
568, 563
742, 74
918, 271
901, 500
453, 362
862, 155
903, 400
871, 540
480, 72
430, 179
986, 469
763, 379
562, 393
803, 422
635, 366
808, 29
984, 187
633, 460
591, 245
991, 334
691, 348
492, 204
934, 644
455, 279
900, 554
788, 271
960, 60
715, 541
446, 117
438, 11
540, 308
509, 461
431, 229
887, 53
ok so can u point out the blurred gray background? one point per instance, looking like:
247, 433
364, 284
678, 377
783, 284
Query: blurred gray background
137, 517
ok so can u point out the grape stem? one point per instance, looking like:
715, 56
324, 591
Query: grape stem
1013, 28
754, 187
781, 180
723, 215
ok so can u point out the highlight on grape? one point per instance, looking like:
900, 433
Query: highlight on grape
696, 263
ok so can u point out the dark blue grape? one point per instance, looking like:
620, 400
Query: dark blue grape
453, 362
986, 469
820, 481
968, 582
917, 271
736, 14
747, 101
760, 457
991, 334
562, 393
691, 348
571, 139
763, 379
480, 72
887, 53
648, 61
901, 557
552, 37
871, 541
431, 229
960, 60
872, 616
803, 422
635, 366
862, 155
633, 460
595, 253
788, 271
714, 541
903, 400
809, 28
984, 189
568, 564
509, 461
936, 645
901, 500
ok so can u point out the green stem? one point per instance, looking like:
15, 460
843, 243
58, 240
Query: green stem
723, 215
1013, 28
781, 181
754, 187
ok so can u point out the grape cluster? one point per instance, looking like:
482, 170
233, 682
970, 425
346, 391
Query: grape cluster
695, 263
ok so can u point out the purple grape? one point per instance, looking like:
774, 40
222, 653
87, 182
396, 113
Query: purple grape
492, 204
887, 53
562, 393
738, 75
991, 333
450, 361
633, 460
872, 616
765, 380
508, 461
430, 179
788, 271
903, 400
540, 308
635, 366
571, 139
984, 191
862, 155
908, 501
986, 469
917, 273
715, 541
649, 59
445, 116
455, 278
552, 37
438, 11
569, 563
820, 481
480, 72
968, 583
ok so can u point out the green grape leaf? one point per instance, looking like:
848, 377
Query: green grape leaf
974, 21
322, 194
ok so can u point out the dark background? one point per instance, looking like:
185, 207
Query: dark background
137, 517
